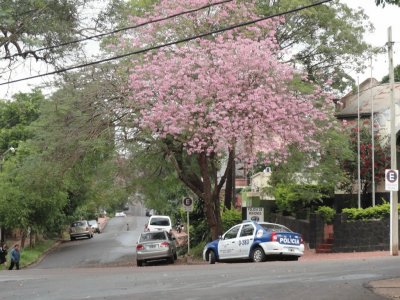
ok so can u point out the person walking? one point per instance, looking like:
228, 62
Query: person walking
3, 253
15, 256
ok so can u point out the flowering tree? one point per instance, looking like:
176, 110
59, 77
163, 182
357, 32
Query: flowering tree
225, 97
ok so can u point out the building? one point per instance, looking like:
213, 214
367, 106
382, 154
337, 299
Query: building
371, 97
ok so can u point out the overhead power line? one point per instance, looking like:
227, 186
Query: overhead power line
180, 41
118, 30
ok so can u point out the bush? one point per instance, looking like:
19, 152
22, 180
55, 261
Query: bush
230, 218
374, 212
327, 213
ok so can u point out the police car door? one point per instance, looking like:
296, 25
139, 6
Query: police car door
246, 239
227, 246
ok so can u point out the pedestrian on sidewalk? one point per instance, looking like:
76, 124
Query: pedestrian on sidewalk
15, 256
3, 253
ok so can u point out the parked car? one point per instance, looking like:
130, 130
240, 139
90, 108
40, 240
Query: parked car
155, 245
80, 229
95, 225
120, 214
255, 241
149, 212
159, 223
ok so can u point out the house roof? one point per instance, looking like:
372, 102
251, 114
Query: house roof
370, 90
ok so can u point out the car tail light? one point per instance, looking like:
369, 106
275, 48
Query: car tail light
139, 247
164, 244
301, 239
274, 237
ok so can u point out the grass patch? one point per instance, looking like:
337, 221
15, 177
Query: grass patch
197, 251
31, 255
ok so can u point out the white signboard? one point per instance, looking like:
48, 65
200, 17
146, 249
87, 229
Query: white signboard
391, 180
255, 214
188, 204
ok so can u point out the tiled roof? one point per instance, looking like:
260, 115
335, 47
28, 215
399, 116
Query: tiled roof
380, 93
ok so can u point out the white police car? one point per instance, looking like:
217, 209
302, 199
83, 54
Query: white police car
255, 241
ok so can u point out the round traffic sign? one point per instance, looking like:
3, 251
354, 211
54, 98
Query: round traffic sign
187, 201
391, 176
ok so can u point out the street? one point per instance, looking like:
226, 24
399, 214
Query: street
331, 279
104, 268
114, 247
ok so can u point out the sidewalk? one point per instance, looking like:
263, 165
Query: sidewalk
389, 288
102, 223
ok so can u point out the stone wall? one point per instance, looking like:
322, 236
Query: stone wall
357, 236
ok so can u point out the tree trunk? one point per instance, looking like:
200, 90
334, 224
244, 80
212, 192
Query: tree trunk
230, 181
210, 198
228, 190
205, 185
23, 238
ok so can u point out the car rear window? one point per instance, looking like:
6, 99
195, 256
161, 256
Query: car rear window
159, 221
275, 228
152, 236
77, 224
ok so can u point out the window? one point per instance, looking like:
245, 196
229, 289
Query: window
275, 228
159, 222
152, 236
232, 233
247, 230
78, 224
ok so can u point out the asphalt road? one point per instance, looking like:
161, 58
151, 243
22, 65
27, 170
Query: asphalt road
332, 279
104, 268
115, 246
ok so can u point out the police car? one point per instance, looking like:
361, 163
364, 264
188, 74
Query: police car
255, 241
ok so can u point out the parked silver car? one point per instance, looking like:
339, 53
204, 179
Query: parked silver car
80, 229
95, 226
155, 245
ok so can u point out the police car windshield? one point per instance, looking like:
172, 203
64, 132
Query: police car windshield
275, 228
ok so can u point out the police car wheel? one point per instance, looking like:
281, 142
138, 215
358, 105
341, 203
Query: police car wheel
257, 255
211, 258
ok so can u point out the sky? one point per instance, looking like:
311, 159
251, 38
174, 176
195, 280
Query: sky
382, 18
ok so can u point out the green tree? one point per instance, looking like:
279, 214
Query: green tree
77, 132
384, 2
325, 40
306, 178
42, 31
385, 79
15, 117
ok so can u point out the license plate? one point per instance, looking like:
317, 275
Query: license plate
152, 246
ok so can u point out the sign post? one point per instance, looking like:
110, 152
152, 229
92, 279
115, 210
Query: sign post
188, 205
392, 185
394, 202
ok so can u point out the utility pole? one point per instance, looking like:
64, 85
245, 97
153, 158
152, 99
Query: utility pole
394, 215
372, 138
358, 146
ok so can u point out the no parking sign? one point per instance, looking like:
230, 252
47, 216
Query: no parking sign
188, 204
391, 180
